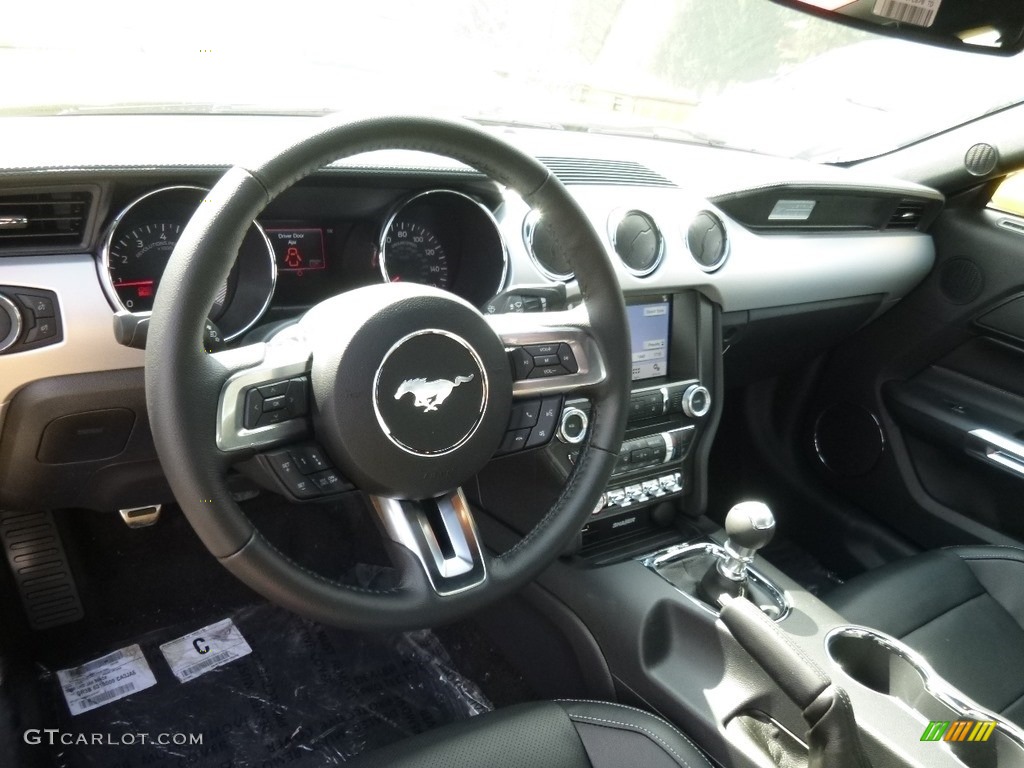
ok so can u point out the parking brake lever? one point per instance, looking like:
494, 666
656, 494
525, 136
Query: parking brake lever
832, 733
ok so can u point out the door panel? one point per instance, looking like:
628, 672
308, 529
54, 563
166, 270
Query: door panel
942, 374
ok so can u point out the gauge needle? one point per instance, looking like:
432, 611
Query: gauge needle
396, 279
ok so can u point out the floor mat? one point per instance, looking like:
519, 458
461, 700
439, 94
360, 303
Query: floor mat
306, 695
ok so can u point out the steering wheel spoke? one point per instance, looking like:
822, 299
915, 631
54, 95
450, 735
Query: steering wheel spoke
264, 398
441, 534
551, 352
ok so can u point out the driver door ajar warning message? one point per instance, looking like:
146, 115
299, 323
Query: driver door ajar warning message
208, 648
106, 679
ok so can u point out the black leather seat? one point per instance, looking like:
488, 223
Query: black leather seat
551, 734
962, 608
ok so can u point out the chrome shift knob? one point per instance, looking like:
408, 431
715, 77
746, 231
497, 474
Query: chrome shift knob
749, 525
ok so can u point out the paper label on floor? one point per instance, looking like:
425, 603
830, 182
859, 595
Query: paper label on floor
205, 649
106, 679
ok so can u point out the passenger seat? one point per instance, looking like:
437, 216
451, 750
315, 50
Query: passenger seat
962, 608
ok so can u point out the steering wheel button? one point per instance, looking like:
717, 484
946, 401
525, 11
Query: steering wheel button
547, 372
297, 397
540, 350
273, 403
253, 408
273, 417
309, 459
522, 363
546, 360
276, 389
524, 414
303, 488
515, 440
550, 410
567, 358
329, 481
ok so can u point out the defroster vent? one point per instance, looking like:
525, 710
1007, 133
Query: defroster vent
621, 173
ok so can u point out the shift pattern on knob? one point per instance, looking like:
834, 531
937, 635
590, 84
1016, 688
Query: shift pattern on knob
750, 525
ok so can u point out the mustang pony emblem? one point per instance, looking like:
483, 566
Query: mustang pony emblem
429, 394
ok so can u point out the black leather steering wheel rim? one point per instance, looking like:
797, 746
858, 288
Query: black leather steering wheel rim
183, 383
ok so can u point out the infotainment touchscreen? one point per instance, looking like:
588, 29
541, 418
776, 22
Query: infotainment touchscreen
648, 330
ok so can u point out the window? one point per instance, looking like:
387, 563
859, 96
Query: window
1010, 195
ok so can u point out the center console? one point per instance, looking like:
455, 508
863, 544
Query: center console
661, 470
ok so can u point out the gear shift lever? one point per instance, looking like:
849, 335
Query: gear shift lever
749, 526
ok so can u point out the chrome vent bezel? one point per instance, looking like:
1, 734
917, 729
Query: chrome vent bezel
726, 242
530, 223
615, 218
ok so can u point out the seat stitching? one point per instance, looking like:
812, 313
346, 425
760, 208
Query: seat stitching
659, 718
632, 727
994, 557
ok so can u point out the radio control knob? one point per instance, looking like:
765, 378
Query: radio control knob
696, 401
10, 322
573, 427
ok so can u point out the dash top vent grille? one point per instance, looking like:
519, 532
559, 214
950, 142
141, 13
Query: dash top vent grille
908, 215
41, 219
623, 173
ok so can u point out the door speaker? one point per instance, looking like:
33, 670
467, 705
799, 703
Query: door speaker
848, 439
961, 280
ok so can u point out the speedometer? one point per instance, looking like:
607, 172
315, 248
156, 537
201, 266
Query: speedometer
411, 253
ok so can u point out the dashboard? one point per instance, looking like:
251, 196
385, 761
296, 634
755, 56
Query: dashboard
89, 217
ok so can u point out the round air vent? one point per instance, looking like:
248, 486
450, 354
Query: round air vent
637, 240
707, 241
981, 159
550, 259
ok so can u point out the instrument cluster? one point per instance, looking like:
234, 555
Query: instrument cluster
441, 237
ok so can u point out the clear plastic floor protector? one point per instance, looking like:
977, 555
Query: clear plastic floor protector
307, 695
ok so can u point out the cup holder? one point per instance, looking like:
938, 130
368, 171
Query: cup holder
885, 665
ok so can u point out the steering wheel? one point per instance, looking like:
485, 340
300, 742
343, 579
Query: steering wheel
362, 351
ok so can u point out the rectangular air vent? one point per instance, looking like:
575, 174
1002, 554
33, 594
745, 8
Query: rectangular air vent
908, 215
582, 170
51, 219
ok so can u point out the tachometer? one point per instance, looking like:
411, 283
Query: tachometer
140, 243
137, 260
411, 253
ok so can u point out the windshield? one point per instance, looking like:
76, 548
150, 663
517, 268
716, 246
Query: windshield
740, 73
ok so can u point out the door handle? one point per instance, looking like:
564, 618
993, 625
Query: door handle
999, 450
